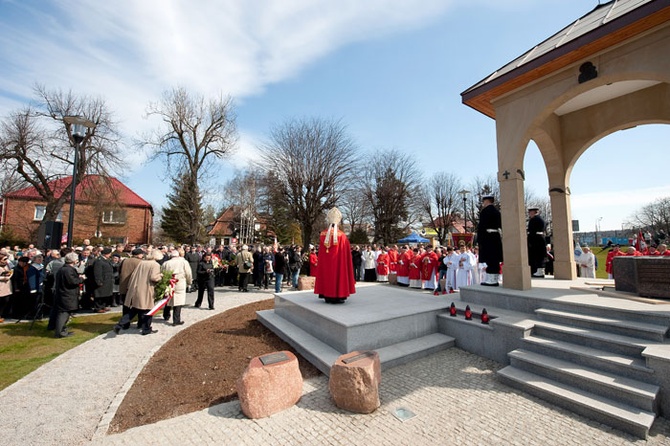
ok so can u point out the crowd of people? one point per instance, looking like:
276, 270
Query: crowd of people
37, 283
439, 270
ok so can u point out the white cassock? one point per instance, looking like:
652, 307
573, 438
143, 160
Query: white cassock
466, 265
452, 266
587, 265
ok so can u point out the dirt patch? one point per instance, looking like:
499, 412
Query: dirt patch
199, 366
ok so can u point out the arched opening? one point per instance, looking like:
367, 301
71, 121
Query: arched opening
612, 179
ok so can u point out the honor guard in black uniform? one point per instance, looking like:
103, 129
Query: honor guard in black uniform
489, 239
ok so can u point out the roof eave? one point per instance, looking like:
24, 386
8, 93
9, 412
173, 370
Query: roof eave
639, 20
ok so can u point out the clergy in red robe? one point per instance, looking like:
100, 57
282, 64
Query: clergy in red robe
313, 262
383, 264
393, 258
429, 269
403, 265
415, 270
335, 274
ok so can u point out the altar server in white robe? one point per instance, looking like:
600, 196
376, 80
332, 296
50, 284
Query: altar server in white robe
466, 265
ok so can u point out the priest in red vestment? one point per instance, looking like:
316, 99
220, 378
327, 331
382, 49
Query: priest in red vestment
403, 265
415, 270
429, 269
383, 263
393, 258
335, 274
313, 262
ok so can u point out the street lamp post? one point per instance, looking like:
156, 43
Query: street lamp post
465, 193
597, 229
79, 126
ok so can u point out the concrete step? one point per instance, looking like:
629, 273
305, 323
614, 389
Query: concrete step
373, 318
404, 352
612, 413
319, 354
624, 327
629, 391
625, 345
322, 355
624, 365
567, 300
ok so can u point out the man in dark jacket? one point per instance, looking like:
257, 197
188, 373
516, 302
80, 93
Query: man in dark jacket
205, 278
193, 258
103, 277
88, 297
66, 294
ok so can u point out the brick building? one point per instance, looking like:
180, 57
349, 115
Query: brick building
106, 210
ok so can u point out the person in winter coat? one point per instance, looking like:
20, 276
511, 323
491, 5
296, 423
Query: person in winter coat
205, 281
66, 294
140, 295
182, 272
103, 280
245, 264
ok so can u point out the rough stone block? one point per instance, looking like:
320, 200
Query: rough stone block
306, 283
354, 381
265, 389
393, 278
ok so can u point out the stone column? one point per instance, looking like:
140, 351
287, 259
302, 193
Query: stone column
516, 272
564, 262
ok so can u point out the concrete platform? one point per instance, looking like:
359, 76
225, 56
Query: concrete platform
400, 324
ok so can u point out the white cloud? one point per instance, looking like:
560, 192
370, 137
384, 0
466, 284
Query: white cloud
130, 51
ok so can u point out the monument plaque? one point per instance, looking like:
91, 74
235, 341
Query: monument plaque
358, 357
274, 358
653, 277
624, 272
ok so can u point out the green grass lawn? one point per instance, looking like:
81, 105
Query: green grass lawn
601, 255
23, 350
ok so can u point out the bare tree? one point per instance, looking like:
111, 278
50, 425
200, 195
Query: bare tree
194, 132
481, 187
243, 192
37, 143
390, 185
439, 200
313, 160
355, 208
654, 216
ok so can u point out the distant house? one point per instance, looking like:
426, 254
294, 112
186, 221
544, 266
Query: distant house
105, 209
235, 226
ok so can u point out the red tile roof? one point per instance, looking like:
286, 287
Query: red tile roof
125, 196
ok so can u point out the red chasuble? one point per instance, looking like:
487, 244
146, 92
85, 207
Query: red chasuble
313, 264
393, 258
335, 274
429, 265
383, 264
403, 268
415, 268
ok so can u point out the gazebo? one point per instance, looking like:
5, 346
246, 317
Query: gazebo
607, 71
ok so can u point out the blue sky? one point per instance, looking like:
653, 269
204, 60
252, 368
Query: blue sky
391, 71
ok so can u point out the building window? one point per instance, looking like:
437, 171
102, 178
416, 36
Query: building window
115, 217
41, 210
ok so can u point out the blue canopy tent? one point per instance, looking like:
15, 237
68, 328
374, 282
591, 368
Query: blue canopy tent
413, 238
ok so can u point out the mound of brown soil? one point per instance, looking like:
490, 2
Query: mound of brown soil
199, 366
